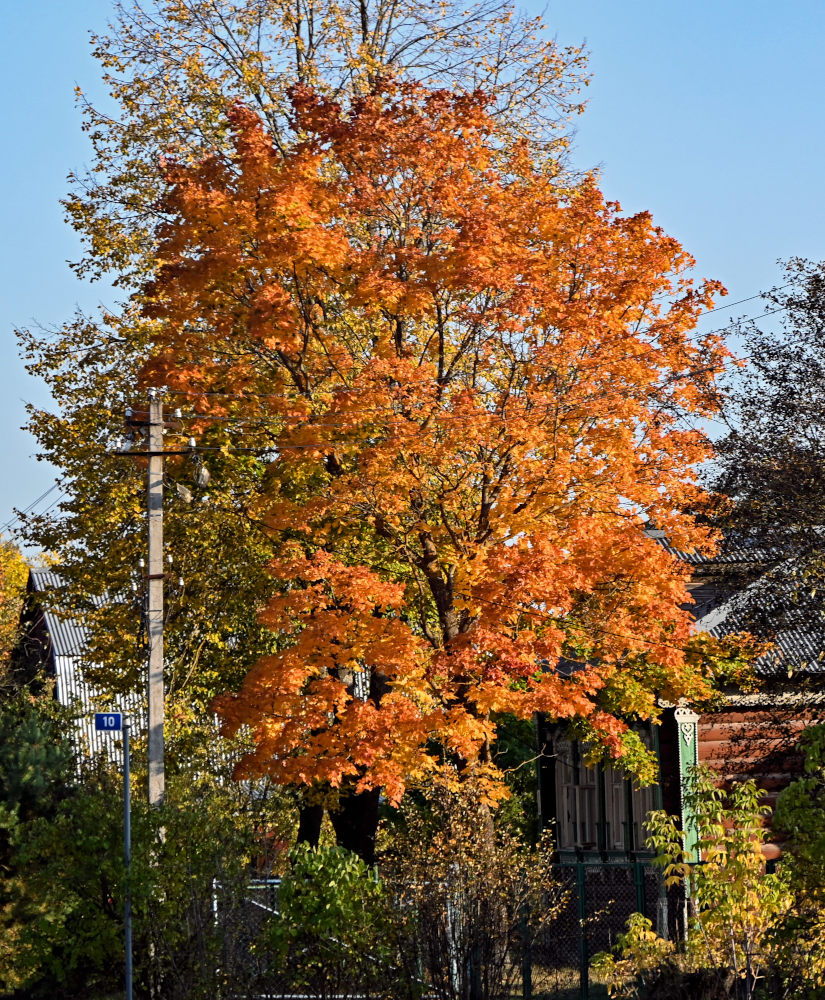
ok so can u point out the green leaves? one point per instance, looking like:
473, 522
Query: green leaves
800, 810
334, 927
63, 878
61, 855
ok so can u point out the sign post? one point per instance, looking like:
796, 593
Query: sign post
115, 722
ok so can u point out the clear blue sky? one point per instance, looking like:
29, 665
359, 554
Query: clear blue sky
708, 114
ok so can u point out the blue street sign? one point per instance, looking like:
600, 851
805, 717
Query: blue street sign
109, 722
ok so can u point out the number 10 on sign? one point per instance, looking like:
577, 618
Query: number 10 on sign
110, 722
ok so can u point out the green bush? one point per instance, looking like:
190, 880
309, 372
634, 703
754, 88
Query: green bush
63, 878
334, 934
800, 815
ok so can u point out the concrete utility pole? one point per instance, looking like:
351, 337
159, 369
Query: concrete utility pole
155, 600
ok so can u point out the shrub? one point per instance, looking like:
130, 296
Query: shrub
800, 815
334, 934
470, 897
62, 890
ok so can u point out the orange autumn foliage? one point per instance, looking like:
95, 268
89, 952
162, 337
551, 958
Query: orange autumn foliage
471, 387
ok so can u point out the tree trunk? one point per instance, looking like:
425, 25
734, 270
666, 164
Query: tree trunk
355, 822
309, 824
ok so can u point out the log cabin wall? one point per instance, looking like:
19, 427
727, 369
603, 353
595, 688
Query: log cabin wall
755, 735
757, 741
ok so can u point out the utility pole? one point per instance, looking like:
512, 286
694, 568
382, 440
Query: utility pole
155, 599
155, 455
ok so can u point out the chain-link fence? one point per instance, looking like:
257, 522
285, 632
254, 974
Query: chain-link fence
599, 898
553, 964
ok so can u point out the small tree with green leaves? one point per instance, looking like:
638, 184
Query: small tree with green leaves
62, 875
733, 905
335, 934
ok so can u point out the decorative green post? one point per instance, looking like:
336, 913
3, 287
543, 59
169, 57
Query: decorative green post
639, 883
687, 736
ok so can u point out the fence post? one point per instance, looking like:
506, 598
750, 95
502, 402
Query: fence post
476, 988
526, 955
639, 879
662, 907
584, 969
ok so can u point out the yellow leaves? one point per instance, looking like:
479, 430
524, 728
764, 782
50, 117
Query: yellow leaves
13, 577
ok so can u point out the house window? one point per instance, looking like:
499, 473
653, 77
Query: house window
597, 808
577, 802
644, 802
615, 802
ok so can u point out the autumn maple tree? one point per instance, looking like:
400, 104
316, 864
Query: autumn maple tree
470, 387
169, 68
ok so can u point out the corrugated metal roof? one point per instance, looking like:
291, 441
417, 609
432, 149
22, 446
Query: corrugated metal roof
68, 639
728, 555
796, 650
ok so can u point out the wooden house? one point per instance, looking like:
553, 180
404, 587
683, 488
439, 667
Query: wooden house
597, 814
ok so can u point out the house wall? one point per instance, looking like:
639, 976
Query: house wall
55, 647
756, 742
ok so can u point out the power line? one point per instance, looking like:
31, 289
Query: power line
739, 302
53, 504
750, 319
20, 514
